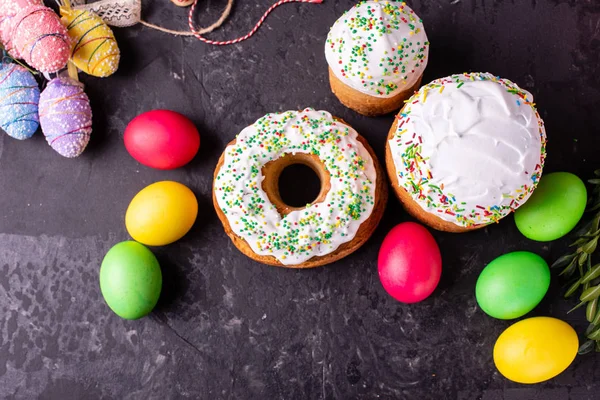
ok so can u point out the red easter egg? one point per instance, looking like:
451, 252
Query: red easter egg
162, 139
410, 263
41, 39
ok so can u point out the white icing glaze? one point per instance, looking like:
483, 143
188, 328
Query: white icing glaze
320, 228
378, 48
469, 148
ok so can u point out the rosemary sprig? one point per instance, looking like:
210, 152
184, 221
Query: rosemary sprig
582, 275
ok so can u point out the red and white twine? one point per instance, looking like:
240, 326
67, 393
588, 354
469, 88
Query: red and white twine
198, 35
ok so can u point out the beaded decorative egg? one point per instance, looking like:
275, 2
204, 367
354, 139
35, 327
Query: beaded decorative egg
95, 50
12, 7
41, 39
8, 10
66, 116
19, 98
6, 36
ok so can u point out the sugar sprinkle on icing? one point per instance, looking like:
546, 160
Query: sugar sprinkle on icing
469, 148
318, 229
378, 48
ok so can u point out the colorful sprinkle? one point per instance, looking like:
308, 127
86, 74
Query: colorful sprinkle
502, 123
378, 47
319, 228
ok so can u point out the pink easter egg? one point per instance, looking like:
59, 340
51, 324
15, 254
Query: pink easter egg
409, 263
41, 39
9, 8
6, 36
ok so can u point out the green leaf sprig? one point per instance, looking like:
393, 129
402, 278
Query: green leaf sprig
583, 275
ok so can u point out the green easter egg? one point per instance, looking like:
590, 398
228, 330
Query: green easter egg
512, 285
553, 209
130, 280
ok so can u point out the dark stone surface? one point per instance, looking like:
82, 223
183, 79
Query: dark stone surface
229, 328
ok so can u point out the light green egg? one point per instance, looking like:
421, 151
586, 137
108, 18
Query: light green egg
553, 209
130, 280
512, 285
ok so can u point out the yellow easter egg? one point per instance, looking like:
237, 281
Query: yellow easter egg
535, 349
161, 213
95, 50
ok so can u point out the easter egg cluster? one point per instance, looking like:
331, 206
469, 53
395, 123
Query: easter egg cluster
158, 215
47, 43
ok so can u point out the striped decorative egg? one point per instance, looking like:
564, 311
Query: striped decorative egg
19, 98
12, 7
95, 50
66, 116
6, 36
8, 10
41, 39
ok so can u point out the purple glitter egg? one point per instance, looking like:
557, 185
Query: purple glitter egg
66, 116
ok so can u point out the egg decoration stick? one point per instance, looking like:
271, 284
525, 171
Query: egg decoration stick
19, 99
95, 50
66, 116
40, 38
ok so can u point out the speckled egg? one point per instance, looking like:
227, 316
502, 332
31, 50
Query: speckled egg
95, 50
66, 116
19, 98
535, 349
8, 10
130, 280
12, 7
41, 39
161, 213
6, 36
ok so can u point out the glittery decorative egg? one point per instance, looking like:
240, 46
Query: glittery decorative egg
12, 7
66, 116
6, 36
19, 98
95, 49
41, 39
8, 10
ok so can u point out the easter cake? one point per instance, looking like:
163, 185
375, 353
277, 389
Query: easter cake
465, 151
344, 215
377, 52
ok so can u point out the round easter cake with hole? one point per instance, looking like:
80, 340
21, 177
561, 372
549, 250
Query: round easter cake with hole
261, 225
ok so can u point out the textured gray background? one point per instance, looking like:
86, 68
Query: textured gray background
229, 328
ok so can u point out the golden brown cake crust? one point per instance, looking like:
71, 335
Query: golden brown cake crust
369, 105
410, 205
272, 170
